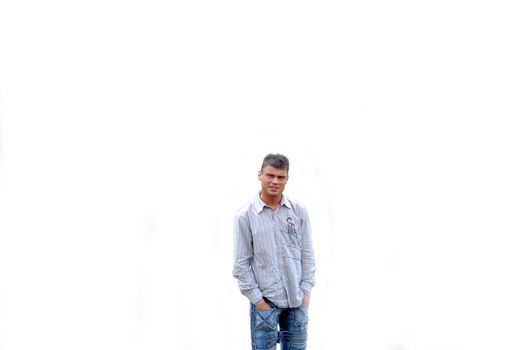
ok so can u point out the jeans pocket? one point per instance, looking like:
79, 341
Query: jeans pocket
265, 328
265, 319
301, 316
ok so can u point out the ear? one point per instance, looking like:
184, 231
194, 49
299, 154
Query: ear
259, 175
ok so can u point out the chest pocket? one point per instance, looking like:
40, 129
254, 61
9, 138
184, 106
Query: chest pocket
291, 237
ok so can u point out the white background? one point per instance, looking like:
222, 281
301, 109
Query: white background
132, 131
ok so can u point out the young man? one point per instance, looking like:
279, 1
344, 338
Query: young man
274, 261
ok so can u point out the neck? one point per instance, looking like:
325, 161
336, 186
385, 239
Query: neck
272, 202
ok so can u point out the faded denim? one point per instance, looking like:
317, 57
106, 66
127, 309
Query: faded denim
287, 326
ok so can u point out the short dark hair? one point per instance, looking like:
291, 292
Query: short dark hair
278, 161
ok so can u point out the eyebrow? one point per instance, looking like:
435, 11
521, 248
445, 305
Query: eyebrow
279, 176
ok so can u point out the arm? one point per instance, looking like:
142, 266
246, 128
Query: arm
307, 256
243, 253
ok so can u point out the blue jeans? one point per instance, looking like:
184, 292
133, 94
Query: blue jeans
292, 322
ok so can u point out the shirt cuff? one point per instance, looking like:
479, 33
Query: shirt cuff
306, 287
255, 295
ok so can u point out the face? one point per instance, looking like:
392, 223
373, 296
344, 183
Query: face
273, 181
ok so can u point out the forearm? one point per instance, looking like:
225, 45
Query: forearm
243, 255
308, 268
247, 281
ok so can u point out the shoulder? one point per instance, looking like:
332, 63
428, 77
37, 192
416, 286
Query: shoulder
245, 211
296, 205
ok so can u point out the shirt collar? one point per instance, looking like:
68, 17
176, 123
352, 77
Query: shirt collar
285, 201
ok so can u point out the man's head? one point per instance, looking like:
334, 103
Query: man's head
273, 175
278, 161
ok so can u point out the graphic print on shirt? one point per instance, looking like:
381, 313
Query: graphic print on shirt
291, 237
291, 228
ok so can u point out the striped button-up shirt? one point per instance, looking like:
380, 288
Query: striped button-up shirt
273, 254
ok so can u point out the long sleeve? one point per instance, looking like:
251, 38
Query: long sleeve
243, 256
307, 257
